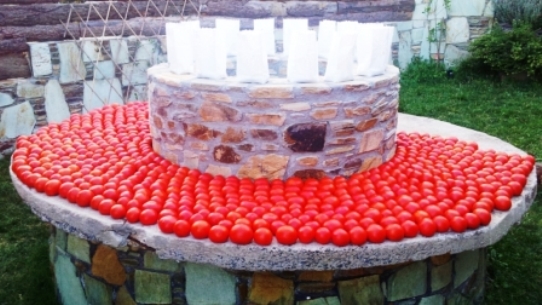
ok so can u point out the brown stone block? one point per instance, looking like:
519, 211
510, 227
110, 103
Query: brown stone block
309, 161
327, 104
356, 87
184, 95
371, 140
267, 288
255, 104
382, 83
322, 89
201, 132
306, 137
342, 141
226, 154
269, 147
324, 114
264, 134
213, 112
157, 121
295, 106
106, 264
199, 146
358, 111
264, 166
276, 119
161, 102
246, 147
310, 173
216, 97
315, 276
272, 92
233, 135
441, 259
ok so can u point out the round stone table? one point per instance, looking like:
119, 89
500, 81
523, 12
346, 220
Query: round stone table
98, 260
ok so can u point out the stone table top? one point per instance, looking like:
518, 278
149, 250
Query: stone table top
89, 224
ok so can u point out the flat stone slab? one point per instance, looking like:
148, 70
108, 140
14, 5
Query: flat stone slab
89, 224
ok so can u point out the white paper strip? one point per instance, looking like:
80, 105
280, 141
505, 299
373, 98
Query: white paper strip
252, 64
374, 49
303, 57
326, 31
340, 65
267, 29
228, 30
180, 46
211, 56
289, 26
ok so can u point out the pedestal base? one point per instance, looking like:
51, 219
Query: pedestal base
94, 273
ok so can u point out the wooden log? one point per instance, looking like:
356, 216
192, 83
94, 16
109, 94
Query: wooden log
16, 45
27, 2
47, 14
14, 65
41, 32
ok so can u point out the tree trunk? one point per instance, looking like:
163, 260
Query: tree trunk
16, 45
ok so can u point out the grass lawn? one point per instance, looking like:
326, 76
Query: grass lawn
512, 112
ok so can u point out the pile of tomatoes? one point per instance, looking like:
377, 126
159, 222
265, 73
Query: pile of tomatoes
104, 160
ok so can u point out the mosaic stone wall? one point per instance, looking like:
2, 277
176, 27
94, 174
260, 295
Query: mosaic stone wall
276, 130
89, 273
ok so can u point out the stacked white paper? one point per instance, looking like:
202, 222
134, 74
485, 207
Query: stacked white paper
252, 64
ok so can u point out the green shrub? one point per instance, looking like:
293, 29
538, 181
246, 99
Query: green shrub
422, 71
525, 11
514, 52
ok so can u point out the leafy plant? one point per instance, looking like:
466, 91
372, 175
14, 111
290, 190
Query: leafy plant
514, 52
525, 11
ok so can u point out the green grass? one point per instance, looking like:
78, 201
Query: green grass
25, 277
512, 112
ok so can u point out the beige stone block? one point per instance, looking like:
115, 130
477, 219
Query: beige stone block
255, 104
218, 170
356, 86
171, 157
283, 92
331, 162
207, 85
327, 104
184, 95
270, 166
191, 159
382, 83
341, 141
324, 114
370, 163
309, 161
199, 146
357, 111
276, 119
269, 147
342, 128
302, 106
339, 150
156, 146
316, 89
216, 97
371, 140
366, 125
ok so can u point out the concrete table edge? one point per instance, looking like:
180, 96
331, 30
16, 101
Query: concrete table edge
90, 225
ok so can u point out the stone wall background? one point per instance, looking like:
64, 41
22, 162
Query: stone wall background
58, 57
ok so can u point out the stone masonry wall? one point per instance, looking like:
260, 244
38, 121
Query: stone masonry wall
91, 273
66, 77
274, 130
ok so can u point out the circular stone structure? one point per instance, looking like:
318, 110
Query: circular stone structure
274, 130
99, 260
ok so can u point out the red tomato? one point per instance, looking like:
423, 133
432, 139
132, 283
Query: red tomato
286, 235
376, 234
358, 236
118, 211
147, 217
473, 222
427, 227
458, 224
306, 234
167, 224
219, 234
410, 227
51, 187
132, 215
503, 203
484, 216
241, 234
322, 236
442, 223
181, 228
395, 232
263, 236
